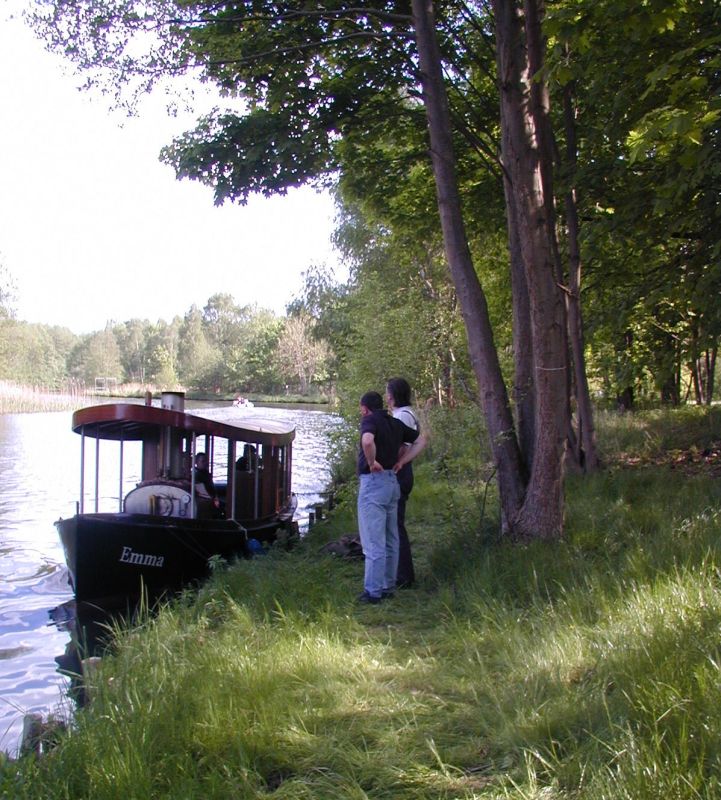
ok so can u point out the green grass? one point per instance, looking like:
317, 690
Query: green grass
584, 669
648, 434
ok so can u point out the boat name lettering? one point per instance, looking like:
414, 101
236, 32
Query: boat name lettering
129, 556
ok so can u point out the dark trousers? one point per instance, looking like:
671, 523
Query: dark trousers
405, 575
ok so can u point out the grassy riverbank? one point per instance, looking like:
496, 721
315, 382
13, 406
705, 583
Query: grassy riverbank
589, 668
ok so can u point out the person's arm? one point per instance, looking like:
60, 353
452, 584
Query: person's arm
409, 453
213, 492
368, 443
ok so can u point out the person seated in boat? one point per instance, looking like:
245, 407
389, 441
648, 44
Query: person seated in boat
246, 463
245, 477
204, 487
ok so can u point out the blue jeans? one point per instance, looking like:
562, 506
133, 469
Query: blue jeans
378, 525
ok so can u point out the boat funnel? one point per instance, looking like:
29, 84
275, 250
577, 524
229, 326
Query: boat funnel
174, 401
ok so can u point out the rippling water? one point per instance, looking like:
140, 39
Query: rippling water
39, 474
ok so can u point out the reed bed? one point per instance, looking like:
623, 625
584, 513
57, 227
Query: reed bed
18, 399
585, 669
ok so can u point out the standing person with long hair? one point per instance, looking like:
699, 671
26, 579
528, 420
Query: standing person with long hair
398, 398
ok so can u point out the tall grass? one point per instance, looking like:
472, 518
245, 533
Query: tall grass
18, 399
649, 434
586, 668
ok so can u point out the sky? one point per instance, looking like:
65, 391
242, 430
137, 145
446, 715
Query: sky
94, 228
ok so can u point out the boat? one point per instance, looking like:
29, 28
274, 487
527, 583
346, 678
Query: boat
243, 402
166, 532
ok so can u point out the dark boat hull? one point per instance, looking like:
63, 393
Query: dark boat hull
112, 555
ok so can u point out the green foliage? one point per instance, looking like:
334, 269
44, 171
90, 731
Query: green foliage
401, 315
34, 354
131, 337
331, 95
95, 355
7, 292
645, 178
261, 342
225, 348
236, 155
197, 357
327, 302
307, 79
302, 357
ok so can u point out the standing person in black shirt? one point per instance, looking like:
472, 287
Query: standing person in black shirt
382, 437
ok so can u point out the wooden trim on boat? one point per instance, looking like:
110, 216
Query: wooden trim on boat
130, 422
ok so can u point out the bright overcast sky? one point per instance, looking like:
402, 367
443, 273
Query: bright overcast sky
94, 228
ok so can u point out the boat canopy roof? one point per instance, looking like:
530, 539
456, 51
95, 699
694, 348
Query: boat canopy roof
131, 422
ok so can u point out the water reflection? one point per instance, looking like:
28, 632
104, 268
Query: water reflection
39, 468
89, 630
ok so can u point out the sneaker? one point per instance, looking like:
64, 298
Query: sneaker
387, 594
364, 597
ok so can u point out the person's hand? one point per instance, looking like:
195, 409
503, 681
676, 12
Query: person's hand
376, 467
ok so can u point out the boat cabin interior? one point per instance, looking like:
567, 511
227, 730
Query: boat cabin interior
247, 476
258, 480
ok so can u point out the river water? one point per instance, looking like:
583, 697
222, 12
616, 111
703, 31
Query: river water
39, 469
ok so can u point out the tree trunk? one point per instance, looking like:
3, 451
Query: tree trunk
537, 513
710, 373
624, 400
703, 369
587, 454
523, 388
484, 358
527, 159
695, 368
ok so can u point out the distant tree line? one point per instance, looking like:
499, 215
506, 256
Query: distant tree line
221, 348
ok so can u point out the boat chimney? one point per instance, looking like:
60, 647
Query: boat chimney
174, 401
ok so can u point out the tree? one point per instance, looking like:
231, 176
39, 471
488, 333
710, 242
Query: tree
198, 359
223, 325
223, 319
7, 293
302, 359
131, 338
96, 355
261, 337
34, 354
647, 174
7, 314
528, 170
325, 300
311, 77
400, 281
161, 349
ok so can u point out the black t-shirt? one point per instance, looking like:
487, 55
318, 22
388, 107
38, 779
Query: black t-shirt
389, 434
